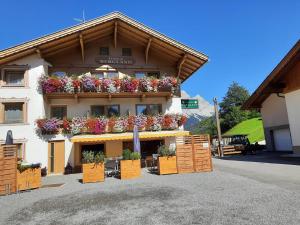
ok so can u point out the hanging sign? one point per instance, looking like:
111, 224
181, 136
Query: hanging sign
189, 104
115, 60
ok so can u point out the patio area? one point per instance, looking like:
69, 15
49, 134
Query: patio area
237, 192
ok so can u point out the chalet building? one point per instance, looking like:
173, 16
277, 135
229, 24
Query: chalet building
84, 87
278, 99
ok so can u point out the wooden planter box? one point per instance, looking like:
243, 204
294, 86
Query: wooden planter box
92, 172
167, 165
130, 169
29, 179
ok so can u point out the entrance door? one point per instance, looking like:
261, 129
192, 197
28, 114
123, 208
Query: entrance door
282, 140
56, 157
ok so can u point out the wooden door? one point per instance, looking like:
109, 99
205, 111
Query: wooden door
56, 157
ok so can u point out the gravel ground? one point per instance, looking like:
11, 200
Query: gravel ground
237, 192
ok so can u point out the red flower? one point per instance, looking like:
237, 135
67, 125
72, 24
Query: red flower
111, 122
66, 125
174, 81
117, 82
97, 83
76, 83
135, 82
154, 82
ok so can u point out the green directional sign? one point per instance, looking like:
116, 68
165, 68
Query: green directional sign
189, 104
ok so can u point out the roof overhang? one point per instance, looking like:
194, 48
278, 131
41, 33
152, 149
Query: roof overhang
188, 60
274, 83
128, 136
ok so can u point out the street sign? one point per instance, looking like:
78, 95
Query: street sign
189, 104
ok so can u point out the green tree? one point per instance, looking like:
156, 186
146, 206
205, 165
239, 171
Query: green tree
230, 107
206, 126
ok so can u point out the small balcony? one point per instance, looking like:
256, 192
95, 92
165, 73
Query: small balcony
105, 125
88, 86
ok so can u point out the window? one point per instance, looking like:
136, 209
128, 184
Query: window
105, 110
99, 75
60, 73
112, 74
153, 74
104, 51
59, 112
126, 52
13, 77
149, 109
13, 112
147, 74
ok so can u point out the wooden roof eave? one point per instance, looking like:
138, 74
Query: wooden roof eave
256, 98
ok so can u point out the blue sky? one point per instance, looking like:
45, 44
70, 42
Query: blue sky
243, 39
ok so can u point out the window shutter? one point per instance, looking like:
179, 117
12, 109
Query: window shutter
25, 112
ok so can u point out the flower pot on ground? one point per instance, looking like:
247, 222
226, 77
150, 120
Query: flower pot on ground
130, 165
28, 176
92, 167
167, 161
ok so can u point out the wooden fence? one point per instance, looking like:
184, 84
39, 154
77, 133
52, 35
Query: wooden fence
193, 154
8, 169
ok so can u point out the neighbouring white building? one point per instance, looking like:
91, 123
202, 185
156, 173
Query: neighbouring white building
108, 51
278, 99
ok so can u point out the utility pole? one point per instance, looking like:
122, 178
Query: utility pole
220, 150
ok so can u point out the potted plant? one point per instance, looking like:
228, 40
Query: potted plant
167, 163
92, 167
130, 165
28, 176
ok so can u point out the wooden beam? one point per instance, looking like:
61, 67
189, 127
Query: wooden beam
147, 50
180, 63
115, 34
38, 51
81, 46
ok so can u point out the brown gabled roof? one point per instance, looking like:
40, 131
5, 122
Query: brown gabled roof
274, 82
189, 60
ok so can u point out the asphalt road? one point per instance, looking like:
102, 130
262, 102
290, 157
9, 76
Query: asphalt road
237, 192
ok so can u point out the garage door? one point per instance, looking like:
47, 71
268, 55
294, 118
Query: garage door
282, 140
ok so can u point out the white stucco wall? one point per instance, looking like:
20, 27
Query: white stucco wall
293, 109
274, 111
36, 148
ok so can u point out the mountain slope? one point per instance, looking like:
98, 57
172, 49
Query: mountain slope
253, 128
195, 115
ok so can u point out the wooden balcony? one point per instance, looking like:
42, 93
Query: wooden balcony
109, 96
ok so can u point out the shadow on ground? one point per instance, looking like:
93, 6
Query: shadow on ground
266, 157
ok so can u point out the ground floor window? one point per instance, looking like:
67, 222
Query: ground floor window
148, 148
94, 148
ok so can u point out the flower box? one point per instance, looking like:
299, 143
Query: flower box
29, 179
92, 172
130, 169
167, 165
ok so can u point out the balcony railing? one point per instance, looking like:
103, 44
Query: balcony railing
101, 125
90, 86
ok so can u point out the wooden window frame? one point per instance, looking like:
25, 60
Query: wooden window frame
65, 106
126, 49
147, 105
105, 108
13, 100
104, 47
25, 69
